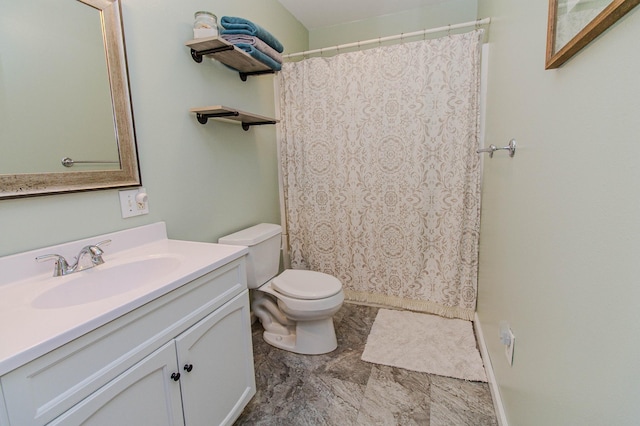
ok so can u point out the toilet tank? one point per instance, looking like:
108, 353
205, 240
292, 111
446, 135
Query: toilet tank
263, 260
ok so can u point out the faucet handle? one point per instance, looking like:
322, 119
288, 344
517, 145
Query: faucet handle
96, 250
56, 257
61, 267
103, 243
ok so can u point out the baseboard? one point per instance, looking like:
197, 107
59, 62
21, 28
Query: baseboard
493, 384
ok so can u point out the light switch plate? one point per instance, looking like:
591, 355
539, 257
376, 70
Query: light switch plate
128, 204
508, 349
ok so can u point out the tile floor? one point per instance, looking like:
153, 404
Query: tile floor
340, 389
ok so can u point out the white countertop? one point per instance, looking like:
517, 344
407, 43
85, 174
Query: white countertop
28, 331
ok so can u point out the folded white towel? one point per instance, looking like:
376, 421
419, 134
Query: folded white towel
255, 42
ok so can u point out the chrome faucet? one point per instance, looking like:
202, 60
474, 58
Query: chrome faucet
93, 252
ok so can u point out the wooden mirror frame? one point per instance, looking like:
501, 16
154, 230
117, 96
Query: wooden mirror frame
30, 184
614, 11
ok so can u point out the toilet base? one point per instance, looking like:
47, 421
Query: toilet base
309, 338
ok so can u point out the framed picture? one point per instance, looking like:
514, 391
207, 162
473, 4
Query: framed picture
575, 23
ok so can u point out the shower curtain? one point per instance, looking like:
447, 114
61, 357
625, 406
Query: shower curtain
380, 174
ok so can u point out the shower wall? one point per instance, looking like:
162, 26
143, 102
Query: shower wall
559, 237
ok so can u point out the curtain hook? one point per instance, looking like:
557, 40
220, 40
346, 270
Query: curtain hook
424, 34
449, 30
379, 42
401, 37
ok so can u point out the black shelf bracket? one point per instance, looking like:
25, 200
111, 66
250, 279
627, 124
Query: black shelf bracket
203, 118
246, 126
197, 55
243, 75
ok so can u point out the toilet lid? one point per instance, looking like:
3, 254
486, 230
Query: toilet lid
301, 284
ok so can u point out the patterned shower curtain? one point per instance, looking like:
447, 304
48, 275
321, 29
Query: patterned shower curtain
380, 172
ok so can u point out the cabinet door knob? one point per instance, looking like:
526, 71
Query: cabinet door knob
175, 376
188, 368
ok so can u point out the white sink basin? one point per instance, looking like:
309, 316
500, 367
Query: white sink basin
39, 312
106, 280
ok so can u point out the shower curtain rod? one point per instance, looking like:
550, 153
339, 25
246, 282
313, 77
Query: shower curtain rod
359, 44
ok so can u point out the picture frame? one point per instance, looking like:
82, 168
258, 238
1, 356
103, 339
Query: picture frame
573, 24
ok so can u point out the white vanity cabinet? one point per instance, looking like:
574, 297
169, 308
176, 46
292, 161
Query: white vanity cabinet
184, 358
144, 394
212, 353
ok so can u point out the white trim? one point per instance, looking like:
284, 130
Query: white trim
484, 81
493, 384
402, 36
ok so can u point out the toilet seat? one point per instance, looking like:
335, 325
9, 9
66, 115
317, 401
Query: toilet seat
306, 285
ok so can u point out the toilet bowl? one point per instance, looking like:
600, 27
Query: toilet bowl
301, 324
295, 308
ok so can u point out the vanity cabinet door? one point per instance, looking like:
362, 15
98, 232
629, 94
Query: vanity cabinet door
145, 394
215, 357
4, 416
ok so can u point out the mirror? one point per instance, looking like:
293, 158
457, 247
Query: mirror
64, 93
573, 24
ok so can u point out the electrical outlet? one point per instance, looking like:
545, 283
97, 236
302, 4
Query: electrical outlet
508, 349
133, 202
142, 201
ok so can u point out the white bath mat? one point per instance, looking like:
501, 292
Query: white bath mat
426, 343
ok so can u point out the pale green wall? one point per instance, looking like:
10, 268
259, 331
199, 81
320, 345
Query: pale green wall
437, 15
204, 181
561, 222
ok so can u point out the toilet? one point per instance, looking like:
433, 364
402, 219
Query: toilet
295, 308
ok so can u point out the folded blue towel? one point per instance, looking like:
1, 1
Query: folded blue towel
255, 42
234, 25
265, 59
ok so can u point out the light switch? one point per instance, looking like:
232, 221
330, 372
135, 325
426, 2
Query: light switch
134, 202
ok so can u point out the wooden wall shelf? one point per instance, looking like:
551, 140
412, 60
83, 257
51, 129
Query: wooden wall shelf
225, 52
223, 113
